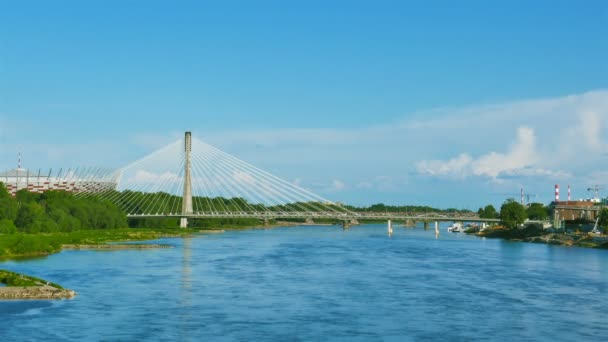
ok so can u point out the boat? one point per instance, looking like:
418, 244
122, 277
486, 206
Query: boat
456, 227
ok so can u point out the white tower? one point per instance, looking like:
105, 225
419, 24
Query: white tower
187, 196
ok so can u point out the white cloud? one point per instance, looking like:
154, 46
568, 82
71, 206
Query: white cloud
521, 155
522, 159
458, 167
338, 185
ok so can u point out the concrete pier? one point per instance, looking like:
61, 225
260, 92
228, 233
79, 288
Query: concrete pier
409, 223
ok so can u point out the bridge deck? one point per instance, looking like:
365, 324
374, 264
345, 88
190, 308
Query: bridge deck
333, 216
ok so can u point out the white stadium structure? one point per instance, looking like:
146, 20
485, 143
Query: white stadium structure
85, 180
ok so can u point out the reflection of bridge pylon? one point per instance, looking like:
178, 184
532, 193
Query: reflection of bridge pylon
187, 197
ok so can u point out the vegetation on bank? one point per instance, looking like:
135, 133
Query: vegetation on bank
513, 215
55, 211
31, 245
13, 279
60, 211
383, 208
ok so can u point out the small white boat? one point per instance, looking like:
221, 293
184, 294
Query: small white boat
456, 227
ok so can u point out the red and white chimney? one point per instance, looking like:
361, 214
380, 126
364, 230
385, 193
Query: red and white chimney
569, 193
556, 192
522, 196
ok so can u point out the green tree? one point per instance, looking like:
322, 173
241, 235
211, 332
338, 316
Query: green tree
7, 226
28, 214
537, 211
8, 204
488, 212
603, 221
512, 214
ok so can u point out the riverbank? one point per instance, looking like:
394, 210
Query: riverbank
114, 246
21, 245
538, 235
21, 286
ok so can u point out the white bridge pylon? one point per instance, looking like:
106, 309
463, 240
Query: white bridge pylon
220, 185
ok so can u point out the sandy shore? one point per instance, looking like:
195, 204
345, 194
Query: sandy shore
114, 246
35, 292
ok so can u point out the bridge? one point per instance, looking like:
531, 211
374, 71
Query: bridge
190, 179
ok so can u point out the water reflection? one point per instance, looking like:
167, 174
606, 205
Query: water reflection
186, 289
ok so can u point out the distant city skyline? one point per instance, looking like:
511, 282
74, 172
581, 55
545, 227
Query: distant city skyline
430, 103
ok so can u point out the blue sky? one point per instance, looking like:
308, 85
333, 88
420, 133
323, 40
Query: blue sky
428, 102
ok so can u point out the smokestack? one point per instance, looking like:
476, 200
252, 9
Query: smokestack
19, 162
556, 192
522, 196
569, 192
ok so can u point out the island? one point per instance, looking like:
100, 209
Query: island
21, 286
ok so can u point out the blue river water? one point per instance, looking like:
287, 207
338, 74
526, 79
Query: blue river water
319, 283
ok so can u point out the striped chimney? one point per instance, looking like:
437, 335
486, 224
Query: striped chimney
556, 192
19, 162
522, 196
569, 193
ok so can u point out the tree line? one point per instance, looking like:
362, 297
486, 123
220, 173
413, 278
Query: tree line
513, 213
381, 208
55, 211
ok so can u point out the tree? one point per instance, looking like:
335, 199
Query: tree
512, 214
28, 214
603, 221
537, 211
7, 226
488, 212
8, 205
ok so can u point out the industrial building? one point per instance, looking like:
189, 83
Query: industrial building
569, 210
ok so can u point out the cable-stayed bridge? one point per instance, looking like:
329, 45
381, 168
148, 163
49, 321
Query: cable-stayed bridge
192, 179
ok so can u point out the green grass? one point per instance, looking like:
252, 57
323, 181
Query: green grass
30, 245
15, 279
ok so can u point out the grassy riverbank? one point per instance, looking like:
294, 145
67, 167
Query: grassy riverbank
19, 245
12, 279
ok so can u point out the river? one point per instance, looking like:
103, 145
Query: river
320, 283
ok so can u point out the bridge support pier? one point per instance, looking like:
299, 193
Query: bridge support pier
345, 225
436, 227
183, 222
426, 225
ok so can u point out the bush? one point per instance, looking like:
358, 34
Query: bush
7, 227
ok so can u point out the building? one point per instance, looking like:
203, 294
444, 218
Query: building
574, 210
86, 180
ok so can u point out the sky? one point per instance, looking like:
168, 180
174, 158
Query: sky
442, 103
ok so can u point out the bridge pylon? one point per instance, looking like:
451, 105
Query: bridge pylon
187, 195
